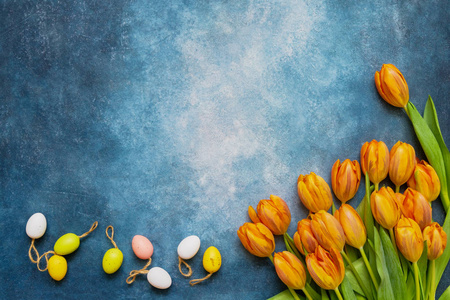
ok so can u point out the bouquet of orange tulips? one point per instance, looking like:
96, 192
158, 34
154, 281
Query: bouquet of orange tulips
388, 247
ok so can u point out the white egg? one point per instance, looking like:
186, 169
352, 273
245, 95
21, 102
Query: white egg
159, 278
188, 247
36, 226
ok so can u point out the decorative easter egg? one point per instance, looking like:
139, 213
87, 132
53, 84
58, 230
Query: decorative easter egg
36, 226
112, 260
67, 244
142, 247
212, 260
188, 247
57, 267
159, 278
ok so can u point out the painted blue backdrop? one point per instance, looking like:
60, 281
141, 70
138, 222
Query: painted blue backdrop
170, 118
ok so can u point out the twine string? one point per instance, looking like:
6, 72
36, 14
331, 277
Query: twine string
181, 261
94, 225
134, 273
112, 235
30, 253
45, 255
196, 281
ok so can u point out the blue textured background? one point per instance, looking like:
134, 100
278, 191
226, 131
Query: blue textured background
169, 118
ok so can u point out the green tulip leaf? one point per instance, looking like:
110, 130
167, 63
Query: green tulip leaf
445, 295
284, 295
385, 291
442, 261
410, 287
363, 273
347, 290
431, 148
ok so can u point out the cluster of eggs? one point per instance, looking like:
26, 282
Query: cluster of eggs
113, 258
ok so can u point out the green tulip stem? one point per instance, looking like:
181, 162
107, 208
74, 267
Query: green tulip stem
338, 294
397, 188
358, 278
271, 258
377, 186
433, 280
369, 268
290, 245
391, 233
416, 279
308, 296
293, 293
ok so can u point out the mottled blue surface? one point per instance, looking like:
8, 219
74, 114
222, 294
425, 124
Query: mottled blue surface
170, 118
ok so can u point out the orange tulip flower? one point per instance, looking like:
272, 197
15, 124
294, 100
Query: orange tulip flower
257, 239
385, 208
402, 162
345, 179
436, 239
290, 270
392, 86
326, 268
274, 213
304, 237
314, 192
416, 207
409, 239
425, 180
375, 160
353, 226
327, 230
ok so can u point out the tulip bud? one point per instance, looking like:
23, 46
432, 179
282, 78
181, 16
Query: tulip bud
436, 239
314, 192
345, 179
392, 86
290, 270
375, 160
353, 226
384, 207
326, 268
409, 239
402, 162
257, 239
327, 230
273, 213
425, 180
416, 207
304, 237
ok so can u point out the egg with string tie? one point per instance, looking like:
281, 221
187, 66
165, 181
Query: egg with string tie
36, 226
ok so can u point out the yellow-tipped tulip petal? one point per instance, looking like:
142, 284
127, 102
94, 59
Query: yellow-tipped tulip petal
425, 180
275, 214
345, 179
392, 86
290, 270
409, 239
436, 239
385, 208
326, 268
375, 160
402, 162
353, 226
327, 230
304, 237
257, 239
416, 207
314, 192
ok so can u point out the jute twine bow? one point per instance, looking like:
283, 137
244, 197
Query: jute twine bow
112, 235
46, 254
132, 277
181, 261
196, 281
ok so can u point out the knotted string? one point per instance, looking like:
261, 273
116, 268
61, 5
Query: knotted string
45, 255
196, 281
30, 254
134, 273
94, 225
112, 235
181, 261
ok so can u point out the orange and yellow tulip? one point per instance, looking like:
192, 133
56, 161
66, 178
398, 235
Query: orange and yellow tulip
304, 238
385, 208
345, 179
353, 226
409, 239
402, 162
436, 239
314, 192
327, 230
375, 160
326, 268
290, 270
274, 213
416, 207
425, 180
392, 86
257, 239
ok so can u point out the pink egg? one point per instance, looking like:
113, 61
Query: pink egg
142, 247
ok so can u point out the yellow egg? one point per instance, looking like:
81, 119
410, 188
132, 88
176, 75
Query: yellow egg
212, 260
57, 267
112, 260
67, 244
